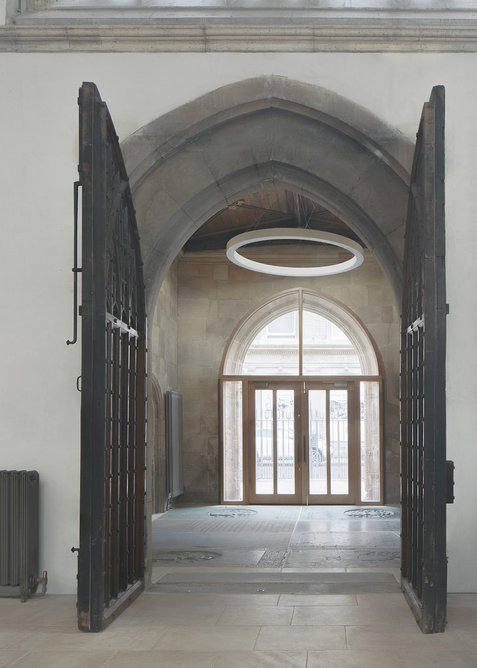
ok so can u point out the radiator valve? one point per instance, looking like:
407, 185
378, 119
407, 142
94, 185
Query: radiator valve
43, 581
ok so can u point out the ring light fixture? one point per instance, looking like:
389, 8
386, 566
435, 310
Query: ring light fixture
294, 234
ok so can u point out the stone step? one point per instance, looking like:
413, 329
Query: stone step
277, 583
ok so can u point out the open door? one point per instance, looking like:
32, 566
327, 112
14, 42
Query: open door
423, 378
113, 410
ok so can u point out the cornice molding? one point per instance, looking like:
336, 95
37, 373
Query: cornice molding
326, 35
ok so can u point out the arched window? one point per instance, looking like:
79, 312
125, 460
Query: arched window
300, 333
300, 393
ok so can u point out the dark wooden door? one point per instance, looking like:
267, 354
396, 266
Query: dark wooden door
423, 402
111, 552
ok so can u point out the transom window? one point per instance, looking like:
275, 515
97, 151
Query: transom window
300, 333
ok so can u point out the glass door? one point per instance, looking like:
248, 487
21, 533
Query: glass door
331, 449
306, 444
275, 438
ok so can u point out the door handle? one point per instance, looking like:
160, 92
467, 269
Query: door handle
304, 449
76, 270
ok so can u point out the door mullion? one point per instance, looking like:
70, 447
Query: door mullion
304, 445
275, 448
328, 449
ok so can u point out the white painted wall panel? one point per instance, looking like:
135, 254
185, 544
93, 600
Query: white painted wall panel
39, 405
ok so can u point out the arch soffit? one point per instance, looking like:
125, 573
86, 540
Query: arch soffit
182, 224
283, 302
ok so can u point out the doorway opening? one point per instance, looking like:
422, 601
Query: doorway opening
111, 560
301, 406
308, 133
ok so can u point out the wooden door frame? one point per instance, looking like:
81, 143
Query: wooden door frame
330, 380
252, 496
354, 445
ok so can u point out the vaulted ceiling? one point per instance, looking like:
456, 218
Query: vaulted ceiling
265, 209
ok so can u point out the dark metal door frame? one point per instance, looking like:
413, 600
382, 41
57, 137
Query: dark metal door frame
423, 379
113, 400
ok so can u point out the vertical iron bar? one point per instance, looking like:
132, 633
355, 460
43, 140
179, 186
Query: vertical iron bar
107, 465
115, 471
122, 463
132, 457
140, 455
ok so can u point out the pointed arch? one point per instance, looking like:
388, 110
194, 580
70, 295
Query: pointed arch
194, 161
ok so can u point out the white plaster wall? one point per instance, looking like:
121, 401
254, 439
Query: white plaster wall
39, 422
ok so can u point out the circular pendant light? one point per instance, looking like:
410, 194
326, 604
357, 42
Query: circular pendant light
294, 234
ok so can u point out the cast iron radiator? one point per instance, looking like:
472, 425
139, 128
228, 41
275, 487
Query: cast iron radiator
19, 533
174, 463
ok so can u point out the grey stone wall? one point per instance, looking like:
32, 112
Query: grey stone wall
163, 334
213, 297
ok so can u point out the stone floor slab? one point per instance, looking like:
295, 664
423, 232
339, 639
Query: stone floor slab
207, 555
317, 599
316, 557
439, 658
256, 616
368, 539
110, 639
370, 637
386, 618
355, 659
208, 639
300, 638
337, 524
163, 659
259, 659
64, 659
148, 619
382, 600
17, 638
10, 656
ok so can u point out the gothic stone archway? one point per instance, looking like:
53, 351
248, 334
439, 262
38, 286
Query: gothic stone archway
194, 161
189, 164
